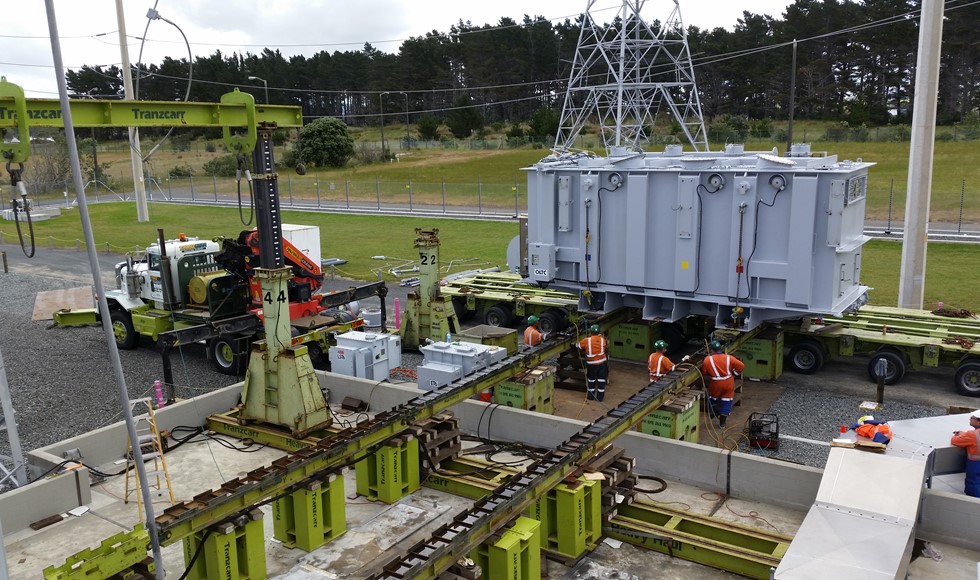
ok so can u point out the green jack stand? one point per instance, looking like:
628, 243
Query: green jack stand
428, 314
120, 555
513, 555
230, 551
281, 387
571, 518
310, 517
391, 472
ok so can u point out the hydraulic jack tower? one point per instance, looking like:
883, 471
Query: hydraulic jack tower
428, 313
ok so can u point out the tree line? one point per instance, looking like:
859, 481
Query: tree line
855, 63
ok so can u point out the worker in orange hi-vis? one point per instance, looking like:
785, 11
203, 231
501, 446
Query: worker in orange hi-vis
597, 369
658, 363
532, 334
720, 369
970, 440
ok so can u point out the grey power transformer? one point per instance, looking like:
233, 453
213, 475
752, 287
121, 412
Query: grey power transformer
745, 237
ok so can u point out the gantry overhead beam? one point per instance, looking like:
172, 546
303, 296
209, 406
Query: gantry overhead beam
109, 114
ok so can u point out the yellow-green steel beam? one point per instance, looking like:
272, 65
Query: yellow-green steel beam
112, 114
428, 559
186, 518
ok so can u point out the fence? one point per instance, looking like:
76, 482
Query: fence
886, 200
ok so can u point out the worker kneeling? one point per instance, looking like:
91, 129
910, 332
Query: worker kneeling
532, 334
877, 431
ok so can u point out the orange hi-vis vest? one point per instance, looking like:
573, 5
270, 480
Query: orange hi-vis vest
532, 336
869, 430
659, 365
970, 440
594, 348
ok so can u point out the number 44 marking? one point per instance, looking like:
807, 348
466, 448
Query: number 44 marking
280, 298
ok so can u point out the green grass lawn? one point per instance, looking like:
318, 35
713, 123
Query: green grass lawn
949, 276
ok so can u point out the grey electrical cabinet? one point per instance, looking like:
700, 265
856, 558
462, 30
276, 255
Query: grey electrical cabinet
746, 237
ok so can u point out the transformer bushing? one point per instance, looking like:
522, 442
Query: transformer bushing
745, 237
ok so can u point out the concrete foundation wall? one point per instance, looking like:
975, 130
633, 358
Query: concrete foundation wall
945, 517
949, 517
23, 506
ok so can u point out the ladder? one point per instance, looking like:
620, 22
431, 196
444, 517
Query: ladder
148, 438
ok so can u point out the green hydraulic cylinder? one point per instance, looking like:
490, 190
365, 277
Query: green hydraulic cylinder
571, 518
313, 515
228, 551
514, 554
391, 472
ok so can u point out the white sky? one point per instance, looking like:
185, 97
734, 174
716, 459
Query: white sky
88, 28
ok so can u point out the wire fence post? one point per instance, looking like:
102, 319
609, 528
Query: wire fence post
959, 225
479, 195
289, 184
170, 192
891, 196
192, 188
410, 196
377, 189
316, 183
214, 183
347, 190
443, 194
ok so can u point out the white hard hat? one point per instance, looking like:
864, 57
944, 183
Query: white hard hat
976, 414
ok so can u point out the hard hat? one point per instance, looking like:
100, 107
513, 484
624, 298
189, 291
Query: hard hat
532, 319
866, 418
594, 329
714, 345
660, 345
975, 414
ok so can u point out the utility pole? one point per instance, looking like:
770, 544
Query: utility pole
911, 283
408, 137
381, 100
135, 156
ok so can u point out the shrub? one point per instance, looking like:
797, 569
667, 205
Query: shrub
210, 147
181, 171
326, 142
224, 166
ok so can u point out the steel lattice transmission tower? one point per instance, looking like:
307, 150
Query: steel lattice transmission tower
624, 73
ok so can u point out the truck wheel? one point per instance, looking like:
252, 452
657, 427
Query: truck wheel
225, 356
462, 314
967, 379
498, 316
895, 368
806, 357
122, 329
551, 322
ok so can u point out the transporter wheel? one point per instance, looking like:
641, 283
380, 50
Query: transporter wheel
806, 357
123, 330
967, 379
894, 369
498, 316
551, 322
225, 356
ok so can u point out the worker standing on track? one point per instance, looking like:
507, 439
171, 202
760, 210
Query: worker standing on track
970, 440
658, 363
532, 335
597, 369
877, 431
720, 368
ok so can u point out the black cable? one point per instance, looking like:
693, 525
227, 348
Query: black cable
197, 554
661, 481
243, 166
755, 237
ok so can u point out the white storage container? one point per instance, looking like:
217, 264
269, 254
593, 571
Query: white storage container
305, 238
365, 355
